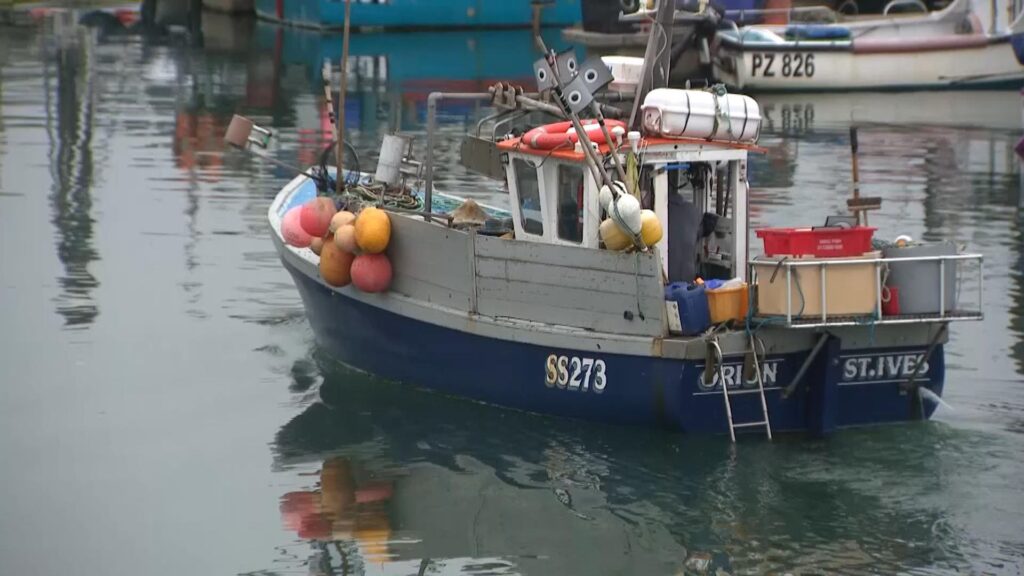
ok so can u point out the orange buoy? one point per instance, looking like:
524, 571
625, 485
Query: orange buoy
373, 230
335, 265
345, 238
340, 219
316, 215
316, 245
371, 272
291, 229
562, 135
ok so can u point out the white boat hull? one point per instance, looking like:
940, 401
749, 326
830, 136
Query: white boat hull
801, 69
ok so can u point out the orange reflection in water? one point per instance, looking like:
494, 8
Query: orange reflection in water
199, 141
342, 508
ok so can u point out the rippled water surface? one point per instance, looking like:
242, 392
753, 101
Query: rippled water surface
164, 409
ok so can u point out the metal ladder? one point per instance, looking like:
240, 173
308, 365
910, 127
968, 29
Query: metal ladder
726, 393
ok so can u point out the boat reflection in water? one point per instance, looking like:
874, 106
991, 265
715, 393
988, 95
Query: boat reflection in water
403, 478
341, 513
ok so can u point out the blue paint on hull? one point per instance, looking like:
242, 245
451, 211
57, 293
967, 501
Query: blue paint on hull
647, 391
417, 13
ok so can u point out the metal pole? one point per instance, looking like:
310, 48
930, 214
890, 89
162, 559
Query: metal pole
942, 288
878, 290
611, 143
428, 192
341, 101
824, 297
789, 294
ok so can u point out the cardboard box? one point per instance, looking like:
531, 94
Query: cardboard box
850, 289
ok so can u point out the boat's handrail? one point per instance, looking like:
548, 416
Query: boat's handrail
796, 319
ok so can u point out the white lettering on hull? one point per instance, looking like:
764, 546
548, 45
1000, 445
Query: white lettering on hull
733, 376
883, 368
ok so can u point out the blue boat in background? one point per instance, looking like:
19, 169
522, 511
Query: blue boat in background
466, 60
406, 14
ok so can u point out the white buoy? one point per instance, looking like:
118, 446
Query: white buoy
604, 198
628, 208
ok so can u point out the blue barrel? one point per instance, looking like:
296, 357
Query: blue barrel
694, 314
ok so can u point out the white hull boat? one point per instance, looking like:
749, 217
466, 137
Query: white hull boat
968, 44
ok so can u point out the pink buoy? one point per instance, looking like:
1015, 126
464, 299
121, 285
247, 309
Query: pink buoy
371, 272
316, 215
291, 229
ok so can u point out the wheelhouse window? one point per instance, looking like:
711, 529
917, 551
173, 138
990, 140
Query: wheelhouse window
530, 215
570, 203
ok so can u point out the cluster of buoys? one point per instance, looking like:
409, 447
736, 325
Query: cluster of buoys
626, 220
351, 247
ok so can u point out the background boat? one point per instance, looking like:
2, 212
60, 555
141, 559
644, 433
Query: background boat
967, 44
419, 13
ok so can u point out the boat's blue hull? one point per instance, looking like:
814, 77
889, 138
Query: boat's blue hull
863, 387
417, 13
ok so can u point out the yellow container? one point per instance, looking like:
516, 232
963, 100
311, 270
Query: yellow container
728, 304
850, 289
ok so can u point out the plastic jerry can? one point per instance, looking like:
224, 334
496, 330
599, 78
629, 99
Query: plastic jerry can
694, 314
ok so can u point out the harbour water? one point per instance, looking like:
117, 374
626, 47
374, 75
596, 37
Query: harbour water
164, 408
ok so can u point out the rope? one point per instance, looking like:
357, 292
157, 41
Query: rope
719, 91
381, 195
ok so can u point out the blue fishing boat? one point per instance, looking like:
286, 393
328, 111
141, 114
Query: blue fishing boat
406, 14
633, 300
462, 60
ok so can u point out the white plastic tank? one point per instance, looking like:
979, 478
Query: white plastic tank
675, 113
392, 153
626, 72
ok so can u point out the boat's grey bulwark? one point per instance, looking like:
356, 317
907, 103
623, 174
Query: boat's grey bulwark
431, 263
562, 285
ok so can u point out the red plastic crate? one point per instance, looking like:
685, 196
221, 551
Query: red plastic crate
819, 242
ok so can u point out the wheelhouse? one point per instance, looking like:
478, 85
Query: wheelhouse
697, 189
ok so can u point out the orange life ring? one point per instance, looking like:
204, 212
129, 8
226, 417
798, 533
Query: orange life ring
561, 134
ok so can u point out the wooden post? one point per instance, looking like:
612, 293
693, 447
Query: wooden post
341, 99
858, 204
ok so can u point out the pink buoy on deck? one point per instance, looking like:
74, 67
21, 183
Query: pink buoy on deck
291, 229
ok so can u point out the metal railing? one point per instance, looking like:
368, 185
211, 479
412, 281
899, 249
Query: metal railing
797, 318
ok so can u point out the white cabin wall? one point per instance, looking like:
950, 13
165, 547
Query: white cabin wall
740, 217
591, 211
661, 211
513, 193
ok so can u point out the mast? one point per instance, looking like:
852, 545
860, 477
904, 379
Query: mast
657, 58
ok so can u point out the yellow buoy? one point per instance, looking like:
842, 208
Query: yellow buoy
615, 239
650, 227
373, 230
613, 236
340, 219
345, 238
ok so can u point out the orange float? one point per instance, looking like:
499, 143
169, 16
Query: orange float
335, 264
373, 230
